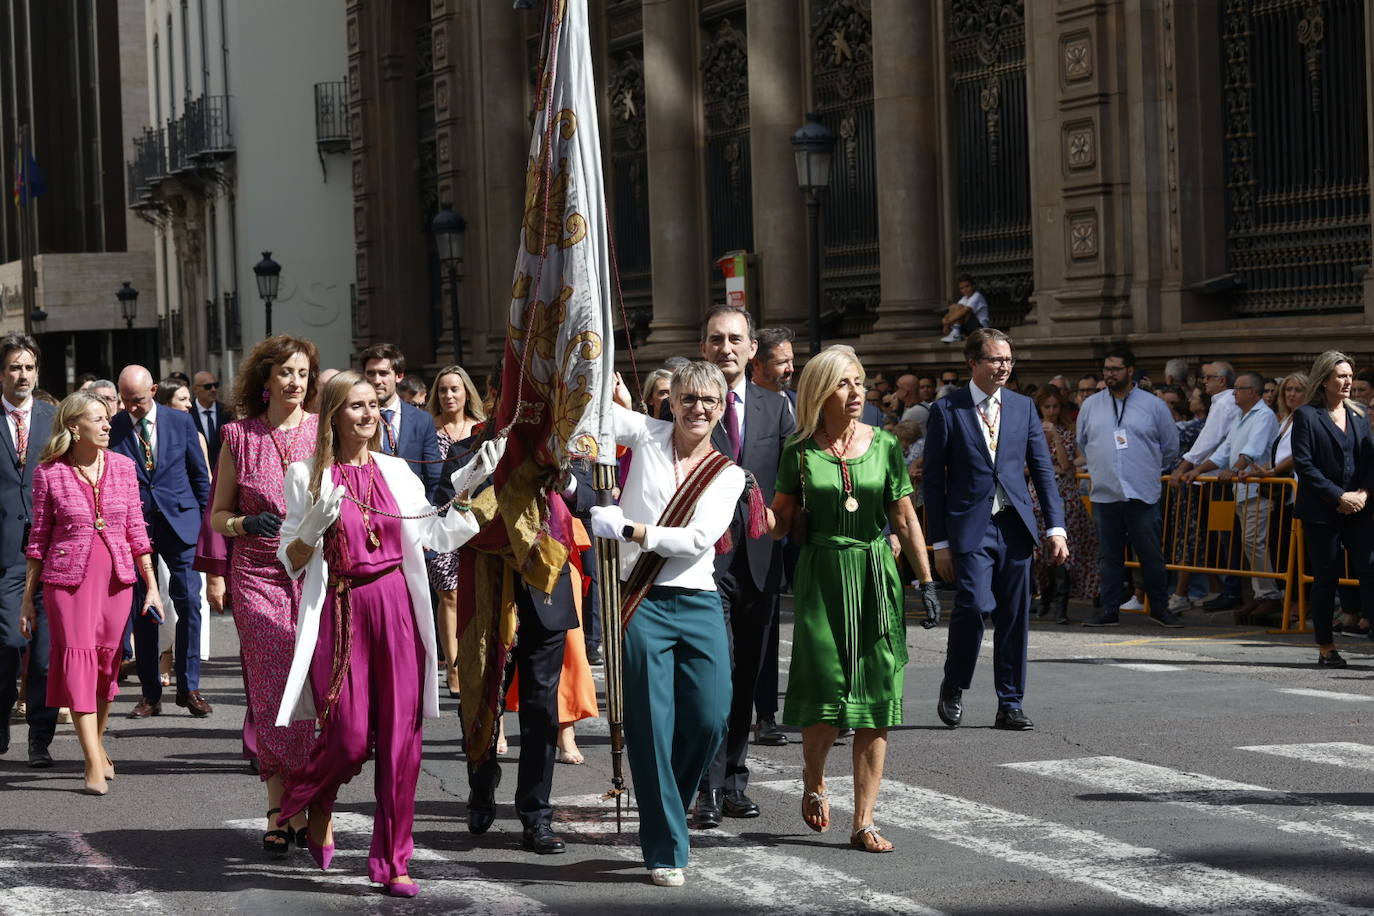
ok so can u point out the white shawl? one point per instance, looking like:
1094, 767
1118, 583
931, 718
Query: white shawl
440, 533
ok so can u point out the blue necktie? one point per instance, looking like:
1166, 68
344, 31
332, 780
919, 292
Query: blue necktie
389, 440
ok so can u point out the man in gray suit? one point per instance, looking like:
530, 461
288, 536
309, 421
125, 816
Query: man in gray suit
25, 429
755, 425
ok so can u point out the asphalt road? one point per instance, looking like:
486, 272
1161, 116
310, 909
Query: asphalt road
1208, 770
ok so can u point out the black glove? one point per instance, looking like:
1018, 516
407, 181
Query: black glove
263, 525
931, 599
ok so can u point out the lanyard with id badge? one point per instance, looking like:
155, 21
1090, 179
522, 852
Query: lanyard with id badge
1119, 433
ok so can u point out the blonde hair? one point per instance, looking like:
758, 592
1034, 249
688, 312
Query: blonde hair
699, 374
651, 380
1322, 368
71, 409
818, 380
472, 404
1281, 402
332, 400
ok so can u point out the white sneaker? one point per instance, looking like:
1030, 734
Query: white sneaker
1210, 596
953, 336
1133, 605
1179, 603
667, 877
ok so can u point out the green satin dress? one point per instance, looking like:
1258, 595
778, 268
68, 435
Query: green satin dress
849, 637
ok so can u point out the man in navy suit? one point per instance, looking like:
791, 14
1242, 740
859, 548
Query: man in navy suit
407, 431
210, 415
27, 423
174, 484
980, 443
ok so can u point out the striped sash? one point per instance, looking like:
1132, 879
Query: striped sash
676, 514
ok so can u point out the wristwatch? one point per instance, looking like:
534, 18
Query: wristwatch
627, 532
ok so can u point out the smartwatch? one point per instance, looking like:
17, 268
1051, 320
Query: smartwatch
627, 532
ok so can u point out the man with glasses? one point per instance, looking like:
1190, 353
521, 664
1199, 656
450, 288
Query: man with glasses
754, 425
1087, 387
1127, 437
981, 442
105, 389
1217, 379
210, 415
1248, 443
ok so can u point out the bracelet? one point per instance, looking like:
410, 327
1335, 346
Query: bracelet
462, 506
231, 527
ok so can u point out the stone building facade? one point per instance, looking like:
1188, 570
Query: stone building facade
1188, 177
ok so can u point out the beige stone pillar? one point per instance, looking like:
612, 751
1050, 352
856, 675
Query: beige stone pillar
677, 232
906, 135
777, 107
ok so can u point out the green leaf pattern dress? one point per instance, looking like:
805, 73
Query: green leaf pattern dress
849, 639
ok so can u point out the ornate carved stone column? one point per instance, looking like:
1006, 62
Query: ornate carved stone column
1080, 168
676, 231
905, 136
777, 107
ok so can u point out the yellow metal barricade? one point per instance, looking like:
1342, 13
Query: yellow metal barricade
1233, 528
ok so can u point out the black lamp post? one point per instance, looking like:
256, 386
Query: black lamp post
448, 228
128, 304
268, 273
812, 146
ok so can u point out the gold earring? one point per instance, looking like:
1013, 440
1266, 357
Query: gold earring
76, 435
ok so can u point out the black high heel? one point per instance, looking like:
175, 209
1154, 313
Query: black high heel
276, 842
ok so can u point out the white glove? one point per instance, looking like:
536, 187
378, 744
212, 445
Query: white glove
608, 522
323, 513
475, 472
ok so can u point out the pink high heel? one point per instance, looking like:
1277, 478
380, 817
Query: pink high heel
403, 888
323, 855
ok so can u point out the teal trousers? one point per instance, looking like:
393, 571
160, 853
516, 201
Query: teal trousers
677, 701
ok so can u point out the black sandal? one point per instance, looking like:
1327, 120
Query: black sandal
277, 842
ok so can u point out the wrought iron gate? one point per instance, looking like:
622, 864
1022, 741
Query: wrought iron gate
1297, 155
987, 62
725, 98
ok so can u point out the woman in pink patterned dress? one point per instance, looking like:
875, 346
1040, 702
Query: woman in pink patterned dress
274, 384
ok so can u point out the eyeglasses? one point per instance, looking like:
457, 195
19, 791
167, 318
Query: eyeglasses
999, 360
706, 401
210, 386
1114, 368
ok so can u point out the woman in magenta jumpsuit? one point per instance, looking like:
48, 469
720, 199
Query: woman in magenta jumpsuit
356, 525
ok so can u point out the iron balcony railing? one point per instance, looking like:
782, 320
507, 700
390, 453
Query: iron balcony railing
208, 130
331, 116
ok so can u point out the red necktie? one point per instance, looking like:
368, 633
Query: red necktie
21, 434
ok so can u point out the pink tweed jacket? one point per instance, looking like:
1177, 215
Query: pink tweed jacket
63, 530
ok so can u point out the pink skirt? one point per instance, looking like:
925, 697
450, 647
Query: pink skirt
86, 631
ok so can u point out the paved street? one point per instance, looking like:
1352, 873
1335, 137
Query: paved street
1208, 770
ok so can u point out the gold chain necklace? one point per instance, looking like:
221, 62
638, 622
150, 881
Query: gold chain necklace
95, 487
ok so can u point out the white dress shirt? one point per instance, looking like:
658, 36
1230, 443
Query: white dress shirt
1221, 416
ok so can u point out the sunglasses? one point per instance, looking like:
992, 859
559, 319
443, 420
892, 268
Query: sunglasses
210, 386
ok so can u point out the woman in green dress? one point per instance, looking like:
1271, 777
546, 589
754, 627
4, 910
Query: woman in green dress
848, 481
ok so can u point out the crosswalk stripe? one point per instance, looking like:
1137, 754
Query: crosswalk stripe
1337, 753
773, 882
1137, 873
441, 878
1207, 794
1327, 695
95, 884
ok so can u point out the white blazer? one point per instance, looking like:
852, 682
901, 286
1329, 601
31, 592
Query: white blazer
440, 533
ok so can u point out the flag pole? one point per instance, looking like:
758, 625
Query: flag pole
608, 593
26, 233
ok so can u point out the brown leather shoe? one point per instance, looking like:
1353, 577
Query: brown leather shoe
144, 709
195, 704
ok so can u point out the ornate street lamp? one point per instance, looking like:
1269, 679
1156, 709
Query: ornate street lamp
813, 145
448, 228
268, 273
128, 304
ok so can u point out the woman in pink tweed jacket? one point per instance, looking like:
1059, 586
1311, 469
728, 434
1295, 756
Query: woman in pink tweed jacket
87, 542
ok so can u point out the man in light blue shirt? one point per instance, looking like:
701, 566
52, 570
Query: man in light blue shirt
1126, 436
1248, 442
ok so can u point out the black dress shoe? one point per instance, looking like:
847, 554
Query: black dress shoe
708, 813
39, 758
1221, 603
766, 732
950, 709
594, 655
1013, 720
1332, 659
737, 804
482, 805
541, 839
5, 733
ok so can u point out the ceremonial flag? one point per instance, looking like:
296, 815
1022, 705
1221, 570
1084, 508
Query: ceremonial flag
28, 180
557, 374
